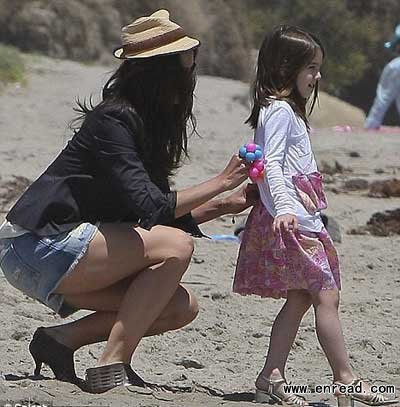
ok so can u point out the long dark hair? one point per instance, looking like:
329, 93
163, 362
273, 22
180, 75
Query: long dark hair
160, 91
283, 54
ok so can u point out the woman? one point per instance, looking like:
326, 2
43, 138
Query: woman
100, 228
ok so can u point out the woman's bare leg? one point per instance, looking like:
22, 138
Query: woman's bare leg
283, 334
96, 327
156, 259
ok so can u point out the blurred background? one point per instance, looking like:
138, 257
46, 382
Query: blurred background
353, 32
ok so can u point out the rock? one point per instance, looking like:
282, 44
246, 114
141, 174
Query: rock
354, 154
329, 169
333, 228
385, 188
356, 184
20, 334
197, 260
360, 230
385, 223
189, 363
219, 296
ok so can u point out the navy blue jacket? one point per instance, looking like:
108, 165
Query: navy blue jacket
99, 176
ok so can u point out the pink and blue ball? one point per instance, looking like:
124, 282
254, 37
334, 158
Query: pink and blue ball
250, 157
254, 173
258, 154
251, 147
259, 165
242, 152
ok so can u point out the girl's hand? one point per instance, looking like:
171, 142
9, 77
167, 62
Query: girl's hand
241, 199
234, 173
286, 222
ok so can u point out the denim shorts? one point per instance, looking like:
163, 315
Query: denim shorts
35, 265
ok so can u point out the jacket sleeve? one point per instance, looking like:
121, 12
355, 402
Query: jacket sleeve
117, 156
188, 225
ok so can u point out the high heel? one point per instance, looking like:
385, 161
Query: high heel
59, 358
271, 395
38, 366
366, 397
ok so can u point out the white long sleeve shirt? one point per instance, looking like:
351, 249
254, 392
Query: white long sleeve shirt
387, 91
283, 136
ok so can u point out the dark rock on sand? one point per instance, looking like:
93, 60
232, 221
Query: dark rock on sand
356, 184
331, 169
385, 188
332, 227
385, 223
189, 363
354, 154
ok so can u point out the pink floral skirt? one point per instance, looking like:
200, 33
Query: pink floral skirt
271, 264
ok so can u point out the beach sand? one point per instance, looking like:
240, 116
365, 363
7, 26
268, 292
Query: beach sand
213, 361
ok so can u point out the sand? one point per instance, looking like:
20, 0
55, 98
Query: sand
226, 344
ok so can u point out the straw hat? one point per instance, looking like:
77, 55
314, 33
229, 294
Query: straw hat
153, 35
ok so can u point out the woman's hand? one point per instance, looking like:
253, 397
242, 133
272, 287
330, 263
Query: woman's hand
234, 173
286, 222
200, 197
241, 199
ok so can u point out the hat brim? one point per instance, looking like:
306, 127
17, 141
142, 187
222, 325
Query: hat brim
181, 45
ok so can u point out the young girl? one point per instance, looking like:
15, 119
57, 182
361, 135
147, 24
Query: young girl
286, 251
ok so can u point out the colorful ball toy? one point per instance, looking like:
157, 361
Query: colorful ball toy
252, 153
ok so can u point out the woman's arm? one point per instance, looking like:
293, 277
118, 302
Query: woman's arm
233, 175
237, 202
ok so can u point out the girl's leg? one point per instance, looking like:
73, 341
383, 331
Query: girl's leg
284, 330
153, 260
330, 335
96, 327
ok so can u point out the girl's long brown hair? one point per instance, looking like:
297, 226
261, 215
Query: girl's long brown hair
283, 54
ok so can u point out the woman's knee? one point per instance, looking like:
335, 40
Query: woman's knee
189, 314
182, 309
179, 245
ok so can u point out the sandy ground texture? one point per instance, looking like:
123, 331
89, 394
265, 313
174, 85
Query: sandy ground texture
215, 360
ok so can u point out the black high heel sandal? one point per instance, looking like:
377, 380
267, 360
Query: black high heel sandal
59, 358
